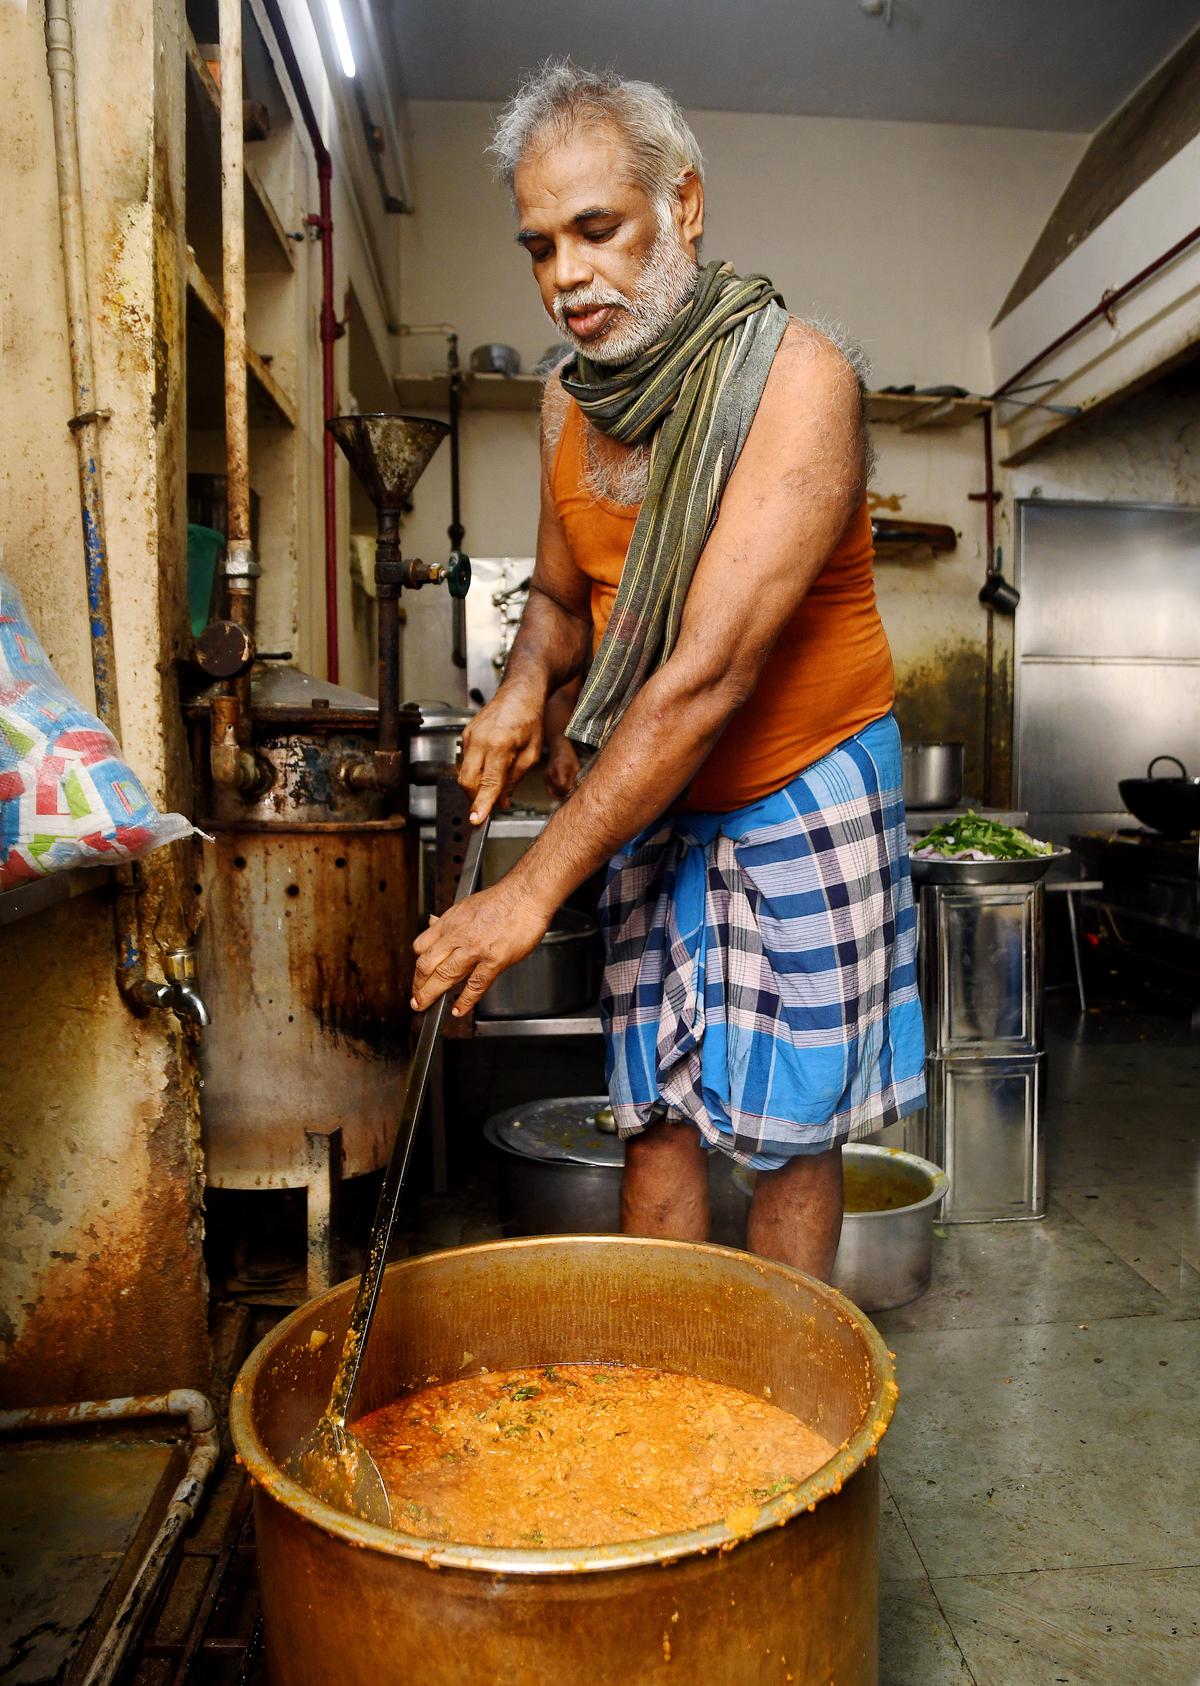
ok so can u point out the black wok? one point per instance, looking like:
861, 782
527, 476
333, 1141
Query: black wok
1171, 806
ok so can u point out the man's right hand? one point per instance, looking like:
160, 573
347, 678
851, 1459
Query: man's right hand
500, 746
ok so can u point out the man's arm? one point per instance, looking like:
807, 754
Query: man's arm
798, 481
552, 646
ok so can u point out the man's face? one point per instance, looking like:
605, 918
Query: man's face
612, 270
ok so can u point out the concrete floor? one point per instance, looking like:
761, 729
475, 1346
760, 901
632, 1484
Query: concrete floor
1041, 1520
1042, 1508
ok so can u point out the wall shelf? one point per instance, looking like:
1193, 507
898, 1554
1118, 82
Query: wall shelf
270, 405
479, 392
912, 413
904, 410
269, 248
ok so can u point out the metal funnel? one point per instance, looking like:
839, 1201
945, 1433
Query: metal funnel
389, 454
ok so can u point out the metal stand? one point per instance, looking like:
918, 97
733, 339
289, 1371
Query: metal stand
324, 1159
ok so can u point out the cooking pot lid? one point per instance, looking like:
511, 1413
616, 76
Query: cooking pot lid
563, 1131
435, 714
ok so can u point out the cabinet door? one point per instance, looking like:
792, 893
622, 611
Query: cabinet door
986, 1121
982, 969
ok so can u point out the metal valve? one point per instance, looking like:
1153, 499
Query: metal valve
458, 573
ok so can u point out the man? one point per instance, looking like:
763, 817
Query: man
704, 544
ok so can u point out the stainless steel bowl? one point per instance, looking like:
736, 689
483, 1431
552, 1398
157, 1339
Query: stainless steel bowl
933, 774
982, 872
885, 1257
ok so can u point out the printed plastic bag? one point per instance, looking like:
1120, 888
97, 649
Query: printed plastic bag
67, 798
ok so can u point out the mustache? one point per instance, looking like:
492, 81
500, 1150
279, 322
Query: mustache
588, 298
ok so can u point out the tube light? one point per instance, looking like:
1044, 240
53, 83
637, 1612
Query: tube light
341, 37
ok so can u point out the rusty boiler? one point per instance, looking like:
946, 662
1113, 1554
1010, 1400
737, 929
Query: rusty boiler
308, 894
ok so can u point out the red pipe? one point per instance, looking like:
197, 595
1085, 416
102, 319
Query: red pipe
1108, 300
330, 328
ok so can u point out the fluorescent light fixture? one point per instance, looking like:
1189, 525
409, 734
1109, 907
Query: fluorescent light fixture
340, 36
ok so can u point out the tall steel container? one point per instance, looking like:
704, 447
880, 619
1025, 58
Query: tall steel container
308, 908
789, 1593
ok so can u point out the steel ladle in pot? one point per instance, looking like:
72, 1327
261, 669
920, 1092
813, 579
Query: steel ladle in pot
332, 1462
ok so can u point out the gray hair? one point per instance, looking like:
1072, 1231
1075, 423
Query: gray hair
560, 96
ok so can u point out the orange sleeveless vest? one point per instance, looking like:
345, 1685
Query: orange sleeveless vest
828, 676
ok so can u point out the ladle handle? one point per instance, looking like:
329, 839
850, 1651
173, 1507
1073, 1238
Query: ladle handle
363, 1310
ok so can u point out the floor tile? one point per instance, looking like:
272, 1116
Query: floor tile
916, 1646
1084, 1627
898, 1559
1121, 1106
1048, 1271
1010, 1446
1154, 1228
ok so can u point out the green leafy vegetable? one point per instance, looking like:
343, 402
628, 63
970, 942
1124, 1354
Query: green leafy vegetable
988, 837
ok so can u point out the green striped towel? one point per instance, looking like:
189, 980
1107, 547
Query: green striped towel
694, 393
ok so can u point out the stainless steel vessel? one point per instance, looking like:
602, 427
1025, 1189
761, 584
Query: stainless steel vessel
560, 1163
561, 975
790, 1592
981, 966
933, 774
885, 1256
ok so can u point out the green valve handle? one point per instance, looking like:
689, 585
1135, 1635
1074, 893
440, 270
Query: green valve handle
458, 573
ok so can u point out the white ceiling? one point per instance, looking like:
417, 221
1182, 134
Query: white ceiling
1029, 64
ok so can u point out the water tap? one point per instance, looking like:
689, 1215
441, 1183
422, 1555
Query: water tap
180, 994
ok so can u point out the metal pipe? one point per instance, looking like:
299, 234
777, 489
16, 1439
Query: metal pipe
231, 756
205, 1447
1108, 299
85, 425
989, 497
85, 422
388, 758
456, 530
330, 328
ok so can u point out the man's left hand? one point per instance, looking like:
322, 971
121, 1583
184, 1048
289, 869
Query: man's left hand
476, 940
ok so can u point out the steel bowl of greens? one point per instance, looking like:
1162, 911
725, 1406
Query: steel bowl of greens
972, 850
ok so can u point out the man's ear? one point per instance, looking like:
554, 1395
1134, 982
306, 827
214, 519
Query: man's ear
689, 209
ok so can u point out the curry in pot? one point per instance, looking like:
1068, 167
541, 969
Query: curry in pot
584, 1455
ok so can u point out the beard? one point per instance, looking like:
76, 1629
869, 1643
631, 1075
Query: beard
665, 281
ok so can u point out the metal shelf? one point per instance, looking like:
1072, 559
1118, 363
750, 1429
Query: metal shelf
43, 893
584, 1023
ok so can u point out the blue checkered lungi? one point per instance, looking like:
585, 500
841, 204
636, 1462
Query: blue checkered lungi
761, 965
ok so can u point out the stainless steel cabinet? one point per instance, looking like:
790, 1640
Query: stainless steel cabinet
981, 959
981, 967
985, 1130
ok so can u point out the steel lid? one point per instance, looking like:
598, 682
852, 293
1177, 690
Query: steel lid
561, 1131
439, 714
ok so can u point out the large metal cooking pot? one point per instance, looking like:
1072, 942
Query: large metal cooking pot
560, 1163
1170, 805
795, 1597
933, 774
561, 975
434, 746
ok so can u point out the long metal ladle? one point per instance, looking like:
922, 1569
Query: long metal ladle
332, 1462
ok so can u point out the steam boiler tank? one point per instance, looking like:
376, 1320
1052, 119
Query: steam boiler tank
308, 909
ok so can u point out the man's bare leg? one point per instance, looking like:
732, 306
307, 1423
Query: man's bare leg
664, 1191
796, 1213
